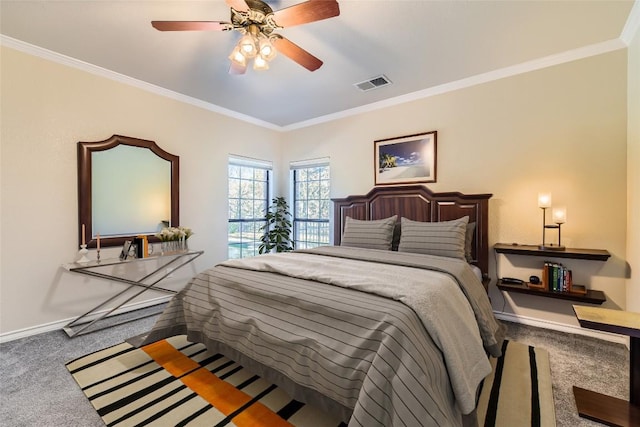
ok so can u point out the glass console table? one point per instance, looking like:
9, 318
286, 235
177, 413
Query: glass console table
115, 270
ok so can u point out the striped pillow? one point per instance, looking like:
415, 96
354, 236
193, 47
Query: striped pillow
446, 238
468, 244
376, 234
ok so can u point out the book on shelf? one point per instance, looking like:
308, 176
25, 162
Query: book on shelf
557, 278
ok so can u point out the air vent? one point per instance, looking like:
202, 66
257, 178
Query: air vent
373, 83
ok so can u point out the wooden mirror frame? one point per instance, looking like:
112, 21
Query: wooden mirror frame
85, 149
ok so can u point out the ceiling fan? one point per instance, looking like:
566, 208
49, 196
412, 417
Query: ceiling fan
257, 22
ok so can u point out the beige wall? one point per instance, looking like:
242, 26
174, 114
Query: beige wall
633, 173
46, 109
560, 129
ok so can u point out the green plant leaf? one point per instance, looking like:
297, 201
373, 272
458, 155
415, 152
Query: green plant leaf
277, 230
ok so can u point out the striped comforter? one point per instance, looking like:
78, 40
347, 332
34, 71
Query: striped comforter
380, 338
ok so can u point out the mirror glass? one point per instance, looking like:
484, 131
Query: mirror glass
128, 177
127, 187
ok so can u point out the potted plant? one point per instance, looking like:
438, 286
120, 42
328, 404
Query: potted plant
277, 230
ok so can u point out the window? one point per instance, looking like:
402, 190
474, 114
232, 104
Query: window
311, 203
249, 192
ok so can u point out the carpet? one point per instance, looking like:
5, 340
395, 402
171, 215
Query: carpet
177, 383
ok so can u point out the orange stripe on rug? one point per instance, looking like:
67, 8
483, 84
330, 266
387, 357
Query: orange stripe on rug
172, 360
219, 393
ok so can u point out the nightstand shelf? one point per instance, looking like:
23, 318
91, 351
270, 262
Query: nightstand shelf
533, 250
591, 297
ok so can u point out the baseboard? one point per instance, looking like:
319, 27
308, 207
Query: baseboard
508, 317
562, 327
53, 326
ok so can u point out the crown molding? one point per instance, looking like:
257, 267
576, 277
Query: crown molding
130, 81
572, 55
525, 67
632, 26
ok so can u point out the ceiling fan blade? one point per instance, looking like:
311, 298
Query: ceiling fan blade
236, 68
239, 5
309, 11
296, 53
191, 25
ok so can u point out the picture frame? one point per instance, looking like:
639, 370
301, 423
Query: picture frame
128, 250
406, 159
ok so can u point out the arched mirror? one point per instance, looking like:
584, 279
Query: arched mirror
126, 187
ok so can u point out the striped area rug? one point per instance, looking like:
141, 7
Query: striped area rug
177, 383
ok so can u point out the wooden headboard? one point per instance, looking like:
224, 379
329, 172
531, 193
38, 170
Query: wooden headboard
418, 203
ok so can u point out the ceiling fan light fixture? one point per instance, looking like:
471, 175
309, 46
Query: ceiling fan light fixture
266, 49
247, 46
257, 21
237, 57
259, 63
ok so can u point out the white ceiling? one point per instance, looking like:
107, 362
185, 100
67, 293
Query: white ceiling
419, 45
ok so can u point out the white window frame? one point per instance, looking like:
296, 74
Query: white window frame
301, 225
244, 244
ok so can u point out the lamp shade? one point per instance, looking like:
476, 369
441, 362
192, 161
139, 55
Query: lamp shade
237, 57
267, 51
259, 63
559, 215
544, 200
248, 46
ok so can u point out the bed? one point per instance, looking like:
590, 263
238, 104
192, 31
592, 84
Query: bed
380, 329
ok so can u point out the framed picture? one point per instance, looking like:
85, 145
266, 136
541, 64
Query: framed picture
406, 159
128, 250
